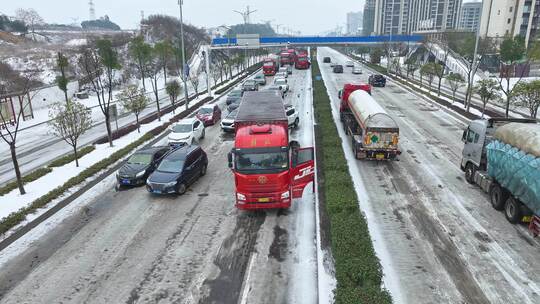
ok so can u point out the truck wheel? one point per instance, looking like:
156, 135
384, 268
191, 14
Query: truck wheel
512, 210
296, 122
203, 133
203, 170
498, 196
469, 173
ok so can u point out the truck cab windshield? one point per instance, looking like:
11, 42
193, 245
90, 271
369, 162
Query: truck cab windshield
256, 161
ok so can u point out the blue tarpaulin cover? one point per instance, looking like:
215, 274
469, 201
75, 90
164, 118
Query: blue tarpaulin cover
517, 171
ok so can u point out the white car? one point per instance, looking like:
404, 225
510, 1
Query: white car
284, 69
349, 63
292, 116
186, 132
356, 69
282, 82
227, 123
281, 75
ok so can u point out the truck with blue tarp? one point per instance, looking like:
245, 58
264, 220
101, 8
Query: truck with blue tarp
502, 156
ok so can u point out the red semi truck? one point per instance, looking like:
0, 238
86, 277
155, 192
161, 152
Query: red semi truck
270, 66
375, 134
269, 171
302, 63
286, 58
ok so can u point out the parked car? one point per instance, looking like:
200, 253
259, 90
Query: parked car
186, 132
292, 116
250, 85
278, 89
234, 95
349, 63
377, 80
289, 69
327, 60
227, 123
338, 68
356, 69
139, 165
283, 83
178, 170
209, 114
281, 75
260, 79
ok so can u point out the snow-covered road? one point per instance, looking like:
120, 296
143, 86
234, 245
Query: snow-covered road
444, 242
132, 247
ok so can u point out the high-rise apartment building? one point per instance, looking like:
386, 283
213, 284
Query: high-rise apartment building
354, 23
469, 18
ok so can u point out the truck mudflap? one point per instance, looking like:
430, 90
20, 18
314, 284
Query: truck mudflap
303, 170
361, 153
534, 225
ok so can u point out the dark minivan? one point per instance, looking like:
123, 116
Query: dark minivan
377, 80
178, 169
327, 60
139, 166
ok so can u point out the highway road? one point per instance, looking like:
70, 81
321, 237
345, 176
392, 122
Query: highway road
133, 247
444, 243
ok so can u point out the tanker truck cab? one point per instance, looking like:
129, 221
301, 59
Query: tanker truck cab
269, 171
344, 94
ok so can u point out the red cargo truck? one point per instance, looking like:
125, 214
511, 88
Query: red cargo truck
269, 171
285, 58
270, 66
302, 63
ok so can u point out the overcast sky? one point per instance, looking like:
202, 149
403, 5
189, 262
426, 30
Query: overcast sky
307, 16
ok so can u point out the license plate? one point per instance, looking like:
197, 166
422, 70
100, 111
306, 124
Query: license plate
126, 182
263, 200
379, 156
157, 191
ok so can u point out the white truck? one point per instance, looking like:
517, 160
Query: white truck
502, 156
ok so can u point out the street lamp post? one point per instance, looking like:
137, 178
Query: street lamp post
474, 59
184, 68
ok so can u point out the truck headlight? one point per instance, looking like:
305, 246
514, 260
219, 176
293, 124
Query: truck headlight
240, 197
140, 174
285, 195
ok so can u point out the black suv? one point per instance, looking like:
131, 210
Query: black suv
139, 165
327, 60
377, 80
178, 169
338, 68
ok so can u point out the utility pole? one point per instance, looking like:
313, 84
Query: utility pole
185, 69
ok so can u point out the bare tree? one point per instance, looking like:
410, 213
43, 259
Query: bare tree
216, 74
133, 100
69, 121
62, 81
154, 73
9, 132
31, 18
195, 82
173, 90
455, 81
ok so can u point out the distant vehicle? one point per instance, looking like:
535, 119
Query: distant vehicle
292, 116
227, 123
270, 65
282, 82
81, 95
186, 132
283, 69
375, 134
250, 85
279, 89
281, 75
327, 60
269, 170
139, 165
178, 170
289, 69
301, 53
260, 79
209, 114
233, 106
356, 69
302, 63
233, 96
501, 156
285, 58
338, 68
349, 63
377, 80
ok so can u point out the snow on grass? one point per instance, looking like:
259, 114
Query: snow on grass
77, 42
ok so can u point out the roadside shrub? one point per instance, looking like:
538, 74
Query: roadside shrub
71, 157
357, 268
